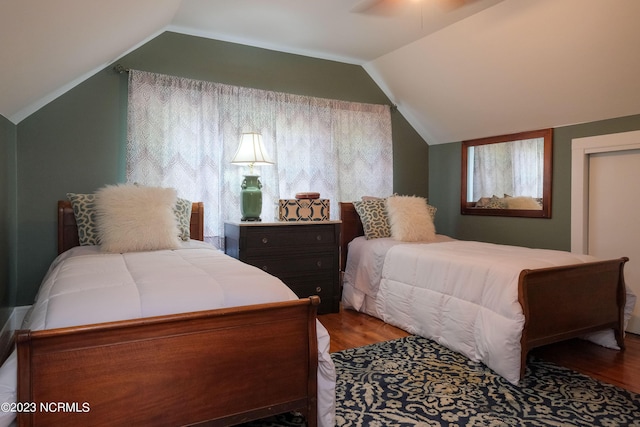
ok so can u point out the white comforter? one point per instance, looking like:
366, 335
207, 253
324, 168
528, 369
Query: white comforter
462, 294
84, 286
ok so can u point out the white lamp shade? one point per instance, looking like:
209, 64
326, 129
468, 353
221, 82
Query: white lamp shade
251, 151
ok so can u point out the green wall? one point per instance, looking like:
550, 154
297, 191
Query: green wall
554, 233
73, 144
76, 143
8, 164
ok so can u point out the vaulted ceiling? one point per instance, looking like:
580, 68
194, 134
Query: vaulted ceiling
481, 68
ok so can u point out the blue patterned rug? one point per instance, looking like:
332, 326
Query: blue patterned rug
413, 381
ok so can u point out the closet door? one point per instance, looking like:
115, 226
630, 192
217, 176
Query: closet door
614, 212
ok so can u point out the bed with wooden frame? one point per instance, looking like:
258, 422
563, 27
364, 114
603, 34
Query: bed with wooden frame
559, 303
219, 367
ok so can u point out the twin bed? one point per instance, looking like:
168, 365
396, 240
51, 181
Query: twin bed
245, 347
166, 337
492, 303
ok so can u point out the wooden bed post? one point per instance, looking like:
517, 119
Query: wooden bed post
351, 228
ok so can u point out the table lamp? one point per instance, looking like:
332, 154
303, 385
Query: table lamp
251, 152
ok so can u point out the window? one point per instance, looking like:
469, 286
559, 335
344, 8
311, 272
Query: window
183, 133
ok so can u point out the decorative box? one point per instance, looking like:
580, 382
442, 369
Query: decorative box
303, 210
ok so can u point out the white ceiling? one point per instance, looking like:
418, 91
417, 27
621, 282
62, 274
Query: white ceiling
487, 68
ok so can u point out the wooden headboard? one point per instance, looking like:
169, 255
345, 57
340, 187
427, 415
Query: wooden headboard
351, 228
68, 230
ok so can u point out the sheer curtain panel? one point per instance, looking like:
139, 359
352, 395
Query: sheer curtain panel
183, 133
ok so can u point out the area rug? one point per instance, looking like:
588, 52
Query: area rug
414, 381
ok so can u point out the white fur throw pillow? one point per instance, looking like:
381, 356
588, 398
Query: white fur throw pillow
522, 202
133, 218
410, 219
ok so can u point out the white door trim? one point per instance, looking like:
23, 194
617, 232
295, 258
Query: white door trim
581, 148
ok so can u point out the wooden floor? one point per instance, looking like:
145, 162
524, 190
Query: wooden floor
350, 329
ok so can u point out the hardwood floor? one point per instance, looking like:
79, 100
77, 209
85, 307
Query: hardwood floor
350, 329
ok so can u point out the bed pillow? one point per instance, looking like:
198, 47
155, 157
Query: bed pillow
182, 211
133, 218
483, 202
411, 219
496, 203
374, 218
84, 211
432, 211
522, 202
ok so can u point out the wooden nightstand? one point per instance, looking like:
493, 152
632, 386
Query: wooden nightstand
304, 255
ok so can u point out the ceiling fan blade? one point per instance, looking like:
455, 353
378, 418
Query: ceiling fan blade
393, 7
452, 4
380, 7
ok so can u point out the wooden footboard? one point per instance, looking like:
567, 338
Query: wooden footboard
222, 367
570, 301
559, 303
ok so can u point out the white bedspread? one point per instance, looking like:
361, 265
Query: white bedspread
84, 286
363, 271
461, 294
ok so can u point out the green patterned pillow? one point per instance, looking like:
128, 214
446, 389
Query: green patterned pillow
497, 203
432, 211
84, 211
375, 221
182, 211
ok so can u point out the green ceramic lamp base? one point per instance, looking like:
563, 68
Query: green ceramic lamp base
251, 195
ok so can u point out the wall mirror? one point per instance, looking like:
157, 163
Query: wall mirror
508, 175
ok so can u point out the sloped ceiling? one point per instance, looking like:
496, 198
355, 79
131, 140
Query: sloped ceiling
487, 68
520, 65
50, 46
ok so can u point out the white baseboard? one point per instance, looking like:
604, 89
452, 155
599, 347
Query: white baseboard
6, 334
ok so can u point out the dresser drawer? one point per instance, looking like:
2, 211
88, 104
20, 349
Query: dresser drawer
307, 263
321, 288
260, 238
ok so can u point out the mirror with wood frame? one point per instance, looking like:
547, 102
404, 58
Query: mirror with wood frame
508, 175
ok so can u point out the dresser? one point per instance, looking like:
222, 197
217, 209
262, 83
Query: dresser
304, 255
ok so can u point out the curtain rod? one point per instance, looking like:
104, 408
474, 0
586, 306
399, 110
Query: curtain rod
119, 68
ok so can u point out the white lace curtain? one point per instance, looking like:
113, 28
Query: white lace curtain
183, 133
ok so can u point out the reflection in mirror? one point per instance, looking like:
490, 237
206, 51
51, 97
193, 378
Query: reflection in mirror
509, 175
513, 170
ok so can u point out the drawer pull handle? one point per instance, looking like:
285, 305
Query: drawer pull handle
265, 240
319, 237
318, 289
319, 263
